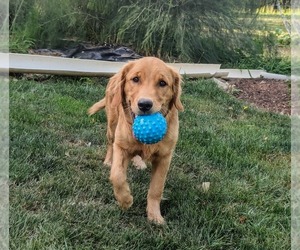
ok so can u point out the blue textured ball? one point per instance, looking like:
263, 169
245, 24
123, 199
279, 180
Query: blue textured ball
149, 129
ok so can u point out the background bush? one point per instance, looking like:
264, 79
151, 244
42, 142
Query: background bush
210, 31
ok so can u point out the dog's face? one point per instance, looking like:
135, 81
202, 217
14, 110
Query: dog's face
148, 86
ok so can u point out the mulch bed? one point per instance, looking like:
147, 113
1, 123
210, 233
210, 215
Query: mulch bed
267, 94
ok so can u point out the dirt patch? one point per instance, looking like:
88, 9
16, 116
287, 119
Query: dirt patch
268, 94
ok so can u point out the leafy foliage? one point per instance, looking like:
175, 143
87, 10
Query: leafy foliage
206, 31
175, 30
195, 31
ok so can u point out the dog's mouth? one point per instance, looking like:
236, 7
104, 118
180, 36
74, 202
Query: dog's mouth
133, 115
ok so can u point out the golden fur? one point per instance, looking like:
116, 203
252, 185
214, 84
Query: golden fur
151, 79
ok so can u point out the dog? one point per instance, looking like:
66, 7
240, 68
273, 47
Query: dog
144, 86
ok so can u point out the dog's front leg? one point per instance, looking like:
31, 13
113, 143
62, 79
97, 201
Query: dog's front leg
118, 177
160, 167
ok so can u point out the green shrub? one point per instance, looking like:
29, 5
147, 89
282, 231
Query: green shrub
191, 31
175, 30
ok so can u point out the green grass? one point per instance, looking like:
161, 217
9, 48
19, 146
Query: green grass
61, 198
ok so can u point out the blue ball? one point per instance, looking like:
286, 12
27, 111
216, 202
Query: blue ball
149, 129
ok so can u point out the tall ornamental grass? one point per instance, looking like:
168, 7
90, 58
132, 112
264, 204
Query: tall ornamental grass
186, 30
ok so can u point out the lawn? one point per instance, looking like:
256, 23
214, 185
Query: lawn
61, 198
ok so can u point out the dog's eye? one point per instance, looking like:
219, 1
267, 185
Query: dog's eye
162, 84
135, 79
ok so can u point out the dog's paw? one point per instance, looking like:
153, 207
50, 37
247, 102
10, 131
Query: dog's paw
126, 202
138, 162
156, 219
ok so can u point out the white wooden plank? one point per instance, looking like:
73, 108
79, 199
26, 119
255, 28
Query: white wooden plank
24, 63
242, 73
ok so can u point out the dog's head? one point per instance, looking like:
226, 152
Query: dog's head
147, 86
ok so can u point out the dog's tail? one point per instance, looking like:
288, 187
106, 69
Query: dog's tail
97, 106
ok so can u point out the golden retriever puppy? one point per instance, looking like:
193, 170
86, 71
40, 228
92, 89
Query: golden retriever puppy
144, 86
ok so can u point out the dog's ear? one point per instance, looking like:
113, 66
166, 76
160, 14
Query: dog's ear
117, 84
177, 91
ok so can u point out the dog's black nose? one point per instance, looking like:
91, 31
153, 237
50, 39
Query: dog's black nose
145, 104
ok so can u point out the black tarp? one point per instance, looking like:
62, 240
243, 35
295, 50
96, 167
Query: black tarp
106, 53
